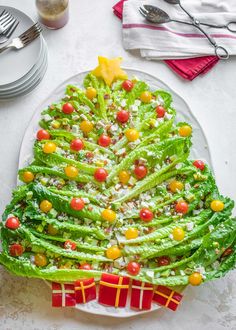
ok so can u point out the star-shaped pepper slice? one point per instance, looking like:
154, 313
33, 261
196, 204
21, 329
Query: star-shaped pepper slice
109, 70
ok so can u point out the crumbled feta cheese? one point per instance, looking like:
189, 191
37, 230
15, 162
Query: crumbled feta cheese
211, 227
200, 269
83, 116
75, 117
178, 166
123, 103
189, 226
187, 186
109, 102
133, 108
171, 236
168, 116
150, 273
182, 272
75, 129
47, 117
86, 200
119, 263
172, 272
114, 128
137, 103
121, 151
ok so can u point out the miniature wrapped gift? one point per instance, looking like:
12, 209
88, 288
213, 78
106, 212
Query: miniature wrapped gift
167, 297
85, 291
141, 295
113, 290
63, 295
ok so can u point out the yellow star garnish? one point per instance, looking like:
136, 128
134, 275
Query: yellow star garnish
109, 70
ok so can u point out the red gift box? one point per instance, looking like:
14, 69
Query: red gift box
85, 290
141, 295
63, 295
167, 297
113, 290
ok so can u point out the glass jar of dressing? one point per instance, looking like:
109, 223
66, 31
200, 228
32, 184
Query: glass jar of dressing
54, 14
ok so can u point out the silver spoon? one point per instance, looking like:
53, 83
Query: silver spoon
231, 26
158, 16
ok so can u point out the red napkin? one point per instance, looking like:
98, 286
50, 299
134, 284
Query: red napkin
187, 68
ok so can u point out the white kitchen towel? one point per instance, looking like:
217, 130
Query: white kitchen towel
175, 40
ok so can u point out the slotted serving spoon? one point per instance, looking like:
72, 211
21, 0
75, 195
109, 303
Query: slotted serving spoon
156, 15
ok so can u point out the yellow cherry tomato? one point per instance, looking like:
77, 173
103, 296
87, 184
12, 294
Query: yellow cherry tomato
56, 124
217, 206
124, 177
146, 97
185, 130
91, 93
71, 171
27, 176
178, 234
45, 206
195, 279
113, 252
49, 147
131, 233
52, 230
108, 215
86, 126
176, 185
132, 134
40, 260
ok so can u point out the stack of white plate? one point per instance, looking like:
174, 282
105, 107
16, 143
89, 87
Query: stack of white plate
22, 70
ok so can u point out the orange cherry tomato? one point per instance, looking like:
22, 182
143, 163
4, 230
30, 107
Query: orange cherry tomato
113, 252
108, 215
71, 171
146, 97
45, 206
217, 206
185, 130
131, 233
132, 134
178, 234
86, 126
40, 260
27, 176
91, 93
124, 177
49, 147
195, 279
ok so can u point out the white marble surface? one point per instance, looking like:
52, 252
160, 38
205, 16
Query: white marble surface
92, 31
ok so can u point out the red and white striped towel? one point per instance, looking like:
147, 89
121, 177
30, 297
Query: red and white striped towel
174, 40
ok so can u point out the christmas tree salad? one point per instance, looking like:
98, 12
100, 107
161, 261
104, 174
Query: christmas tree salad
111, 190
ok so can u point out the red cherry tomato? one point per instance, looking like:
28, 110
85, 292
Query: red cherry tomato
16, 250
146, 215
199, 164
100, 174
160, 111
181, 207
42, 134
12, 223
122, 116
86, 267
77, 204
67, 108
128, 85
140, 172
133, 268
77, 145
68, 245
163, 261
104, 140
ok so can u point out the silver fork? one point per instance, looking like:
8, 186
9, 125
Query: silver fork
6, 35
6, 21
24, 39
